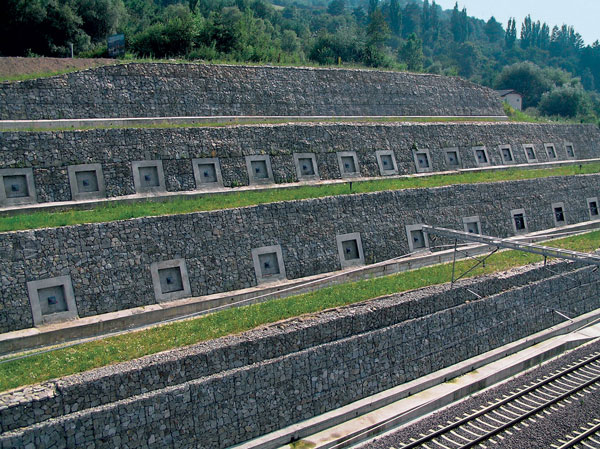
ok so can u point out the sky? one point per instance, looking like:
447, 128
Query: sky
582, 14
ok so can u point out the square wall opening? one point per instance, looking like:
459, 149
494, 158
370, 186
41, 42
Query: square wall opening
452, 156
529, 150
422, 160
306, 166
570, 150
16, 186
507, 155
472, 225
593, 208
519, 221
417, 239
550, 151
170, 280
482, 158
86, 181
348, 163
207, 173
558, 213
52, 300
386, 160
350, 249
148, 176
268, 264
259, 169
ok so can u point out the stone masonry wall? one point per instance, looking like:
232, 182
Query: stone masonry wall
167, 90
50, 153
264, 394
30, 405
109, 263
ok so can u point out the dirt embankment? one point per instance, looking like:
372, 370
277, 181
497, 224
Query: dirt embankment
11, 67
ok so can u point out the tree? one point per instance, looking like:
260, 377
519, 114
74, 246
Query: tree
290, 41
192, 5
511, 33
430, 22
411, 20
254, 39
329, 47
433, 31
377, 30
459, 24
493, 30
426, 15
526, 33
564, 101
565, 41
219, 30
468, 57
411, 53
395, 17
373, 5
165, 40
544, 41
100, 18
336, 7
527, 79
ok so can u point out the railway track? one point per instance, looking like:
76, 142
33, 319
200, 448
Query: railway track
485, 427
586, 438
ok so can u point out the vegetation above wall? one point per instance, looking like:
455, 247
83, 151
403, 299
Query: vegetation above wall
560, 78
216, 201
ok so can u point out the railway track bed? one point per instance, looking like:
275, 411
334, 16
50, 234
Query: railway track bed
554, 406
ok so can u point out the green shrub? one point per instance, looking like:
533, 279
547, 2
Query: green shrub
564, 101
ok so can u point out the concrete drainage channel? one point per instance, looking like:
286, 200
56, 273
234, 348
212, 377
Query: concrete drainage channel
100, 326
372, 416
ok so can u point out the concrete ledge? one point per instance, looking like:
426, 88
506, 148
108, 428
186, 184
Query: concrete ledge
188, 307
208, 120
350, 424
189, 194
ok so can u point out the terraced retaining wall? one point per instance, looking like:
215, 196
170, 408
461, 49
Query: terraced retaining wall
50, 154
110, 264
166, 90
219, 393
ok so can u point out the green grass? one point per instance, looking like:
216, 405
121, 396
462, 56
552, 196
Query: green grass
271, 121
62, 362
31, 76
121, 211
520, 116
46, 74
303, 444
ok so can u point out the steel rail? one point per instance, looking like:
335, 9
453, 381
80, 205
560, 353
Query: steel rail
581, 437
497, 405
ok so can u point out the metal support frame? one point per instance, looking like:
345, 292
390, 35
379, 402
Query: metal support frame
479, 262
533, 248
499, 243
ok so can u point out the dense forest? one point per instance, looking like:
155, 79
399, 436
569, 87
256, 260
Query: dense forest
550, 65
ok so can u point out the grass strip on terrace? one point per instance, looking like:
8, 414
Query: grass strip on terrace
122, 211
161, 123
62, 362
